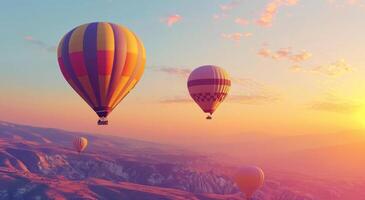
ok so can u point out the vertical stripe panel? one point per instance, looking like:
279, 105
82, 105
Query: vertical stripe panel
105, 53
105, 48
135, 76
75, 50
120, 54
141, 60
90, 57
132, 51
69, 69
129, 67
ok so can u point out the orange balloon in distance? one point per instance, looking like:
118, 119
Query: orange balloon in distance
102, 62
209, 85
249, 179
80, 144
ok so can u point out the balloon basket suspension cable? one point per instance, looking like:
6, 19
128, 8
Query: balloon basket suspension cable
103, 121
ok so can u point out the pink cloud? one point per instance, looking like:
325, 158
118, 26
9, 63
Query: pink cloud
220, 16
302, 56
247, 34
352, 2
271, 9
237, 36
182, 72
264, 52
229, 6
241, 21
172, 19
284, 54
225, 8
233, 36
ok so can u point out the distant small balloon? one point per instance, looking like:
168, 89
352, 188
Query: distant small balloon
209, 85
249, 179
80, 144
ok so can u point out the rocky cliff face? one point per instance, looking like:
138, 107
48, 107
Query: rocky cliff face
81, 167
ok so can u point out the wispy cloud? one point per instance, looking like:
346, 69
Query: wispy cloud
40, 44
335, 104
236, 36
268, 14
336, 68
225, 8
296, 68
343, 3
175, 71
220, 16
176, 100
247, 34
241, 21
352, 2
285, 54
229, 6
253, 99
253, 92
248, 83
172, 19
338, 107
232, 36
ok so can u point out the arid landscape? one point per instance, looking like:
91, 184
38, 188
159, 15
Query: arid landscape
40, 163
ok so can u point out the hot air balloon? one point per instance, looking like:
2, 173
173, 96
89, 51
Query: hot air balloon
102, 62
80, 144
209, 85
249, 179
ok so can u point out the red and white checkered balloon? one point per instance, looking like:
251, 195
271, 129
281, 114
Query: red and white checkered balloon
209, 85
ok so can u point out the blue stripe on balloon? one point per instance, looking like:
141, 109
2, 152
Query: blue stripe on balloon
90, 56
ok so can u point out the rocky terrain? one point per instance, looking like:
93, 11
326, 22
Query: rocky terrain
40, 163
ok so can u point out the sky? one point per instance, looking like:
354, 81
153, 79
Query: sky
297, 66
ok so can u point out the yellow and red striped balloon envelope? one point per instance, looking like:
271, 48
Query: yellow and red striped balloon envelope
102, 62
209, 85
80, 144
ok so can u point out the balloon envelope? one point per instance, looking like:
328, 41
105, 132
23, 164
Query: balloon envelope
102, 62
209, 85
249, 179
80, 144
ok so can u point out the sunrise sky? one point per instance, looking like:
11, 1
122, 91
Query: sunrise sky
297, 66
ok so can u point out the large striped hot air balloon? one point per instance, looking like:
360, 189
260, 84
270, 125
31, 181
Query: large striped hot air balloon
102, 62
209, 85
249, 179
80, 144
